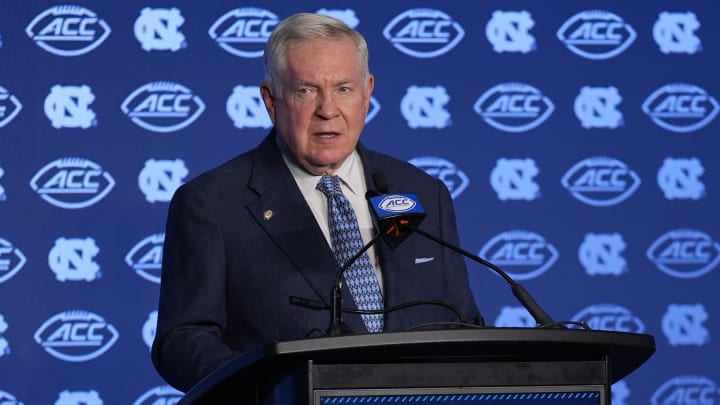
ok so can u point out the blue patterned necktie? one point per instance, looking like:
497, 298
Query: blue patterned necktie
347, 241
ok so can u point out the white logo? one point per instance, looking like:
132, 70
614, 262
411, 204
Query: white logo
514, 317
12, 260
455, 179
3, 196
159, 179
512, 179
245, 108
373, 110
680, 178
163, 106
423, 32
163, 394
76, 336
508, 31
157, 29
685, 253
68, 30
601, 181
68, 106
9, 107
9, 399
4, 344
149, 328
244, 31
687, 390
675, 33
524, 254
596, 107
600, 254
683, 325
397, 203
681, 107
620, 392
146, 257
596, 34
423, 107
610, 317
72, 259
72, 183
347, 16
79, 398
514, 107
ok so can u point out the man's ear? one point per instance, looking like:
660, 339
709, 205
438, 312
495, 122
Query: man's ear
267, 95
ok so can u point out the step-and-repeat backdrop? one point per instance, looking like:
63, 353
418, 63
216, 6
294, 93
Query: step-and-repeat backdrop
579, 140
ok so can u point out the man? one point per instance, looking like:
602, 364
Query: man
246, 236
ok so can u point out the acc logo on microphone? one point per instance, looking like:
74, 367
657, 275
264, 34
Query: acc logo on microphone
244, 31
397, 203
163, 106
523, 254
675, 33
685, 253
455, 179
72, 183
68, 30
610, 317
514, 107
687, 390
157, 29
12, 260
9, 107
163, 394
596, 34
423, 32
76, 336
601, 181
146, 257
681, 107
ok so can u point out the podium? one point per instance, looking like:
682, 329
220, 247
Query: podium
459, 367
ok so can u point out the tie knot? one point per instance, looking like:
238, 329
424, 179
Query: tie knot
329, 185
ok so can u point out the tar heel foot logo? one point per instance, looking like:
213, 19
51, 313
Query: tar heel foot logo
68, 30
159, 179
514, 317
455, 179
146, 257
68, 397
244, 31
163, 394
71, 259
675, 33
599, 254
163, 106
514, 107
10, 107
245, 108
512, 179
4, 344
422, 107
601, 181
8, 399
347, 16
687, 390
12, 260
680, 179
423, 32
523, 254
69, 107
683, 325
149, 329
681, 107
610, 317
509, 31
596, 107
685, 253
76, 336
596, 34
157, 29
72, 183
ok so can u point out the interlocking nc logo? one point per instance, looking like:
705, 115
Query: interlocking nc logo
163, 106
422, 107
68, 107
610, 317
9, 107
150, 328
681, 107
514, 107
146, 257
509, 31
423, 32
512, 179
12, 260
687, 390
599, 254
7, 398
157, 29
79, 397
245, 108
596, 34
68, 30
455, 179
244, 31
347, 16
72, 259
4, 344
72, 183
675, 33
620, 393
523, 254
76, 336
514, 317
163, 394
685, 253
596, 107
683, 325
601, 181
680, 178
159, 179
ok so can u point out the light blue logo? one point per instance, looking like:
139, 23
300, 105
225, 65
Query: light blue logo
246, 109
596, 34
683, 325
68, 397
675, 33
244, 31
159, 179
9, 399
12, 260
72, 259
76, 336
596, 107
524, 255
348, 15
72, 183
680, 178
601, 181
600, 254
10, 107
68, 30
681, 107
687, 390
423, 32
423, 107
509, 31
163, 106
455, 179
685, 253
4, 344
514, 107
512, 179
150, 328
610, 317
69, 107
146, 257
163, 394
157, 29
514, 317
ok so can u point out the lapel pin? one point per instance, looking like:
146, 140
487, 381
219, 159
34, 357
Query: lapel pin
267, 215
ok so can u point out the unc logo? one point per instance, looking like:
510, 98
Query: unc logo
68, 107
68, 30
146, 257
157, 29
159, 179
9, 399
72, 183
601, 181
512, 179
423, 32
72, 259
596, 34
508, 31
163, 394
149, 328
600, 254
347, 16
514, 107
423, 107
681, 107
596, 107
455, 179
610, 317
683, 325
523, 254
675, 33
12, 260
245, 108
687, 390
397, 203
79, 398
9, 107
244, 31
680, 178
4, 344
514, 317
163, 106
685, 253
76, 336
620, 393
3, 196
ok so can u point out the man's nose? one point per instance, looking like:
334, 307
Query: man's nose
327, 106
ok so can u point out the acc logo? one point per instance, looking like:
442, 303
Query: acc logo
4, 344
514, 317
687, 390
509, 31
163, 106
675, 33
68, 30
149, 328
610, 317
69, 107
9, 399
680, 178
683, 325
157, 29
514, 107
397, 203
596, 34
347, 16
601, 181
79, 398
373, 110
76, 336
146, 257
72, 259
600, 254
9, 107
245, 108
72, 183
163, 394
11, 260
596, 107
423, 32
423, 107
3, 196
455, 179
681, 107
159, 179
524, 254
512, 179
685, 253
244, 31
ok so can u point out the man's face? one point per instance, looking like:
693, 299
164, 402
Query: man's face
321, 112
